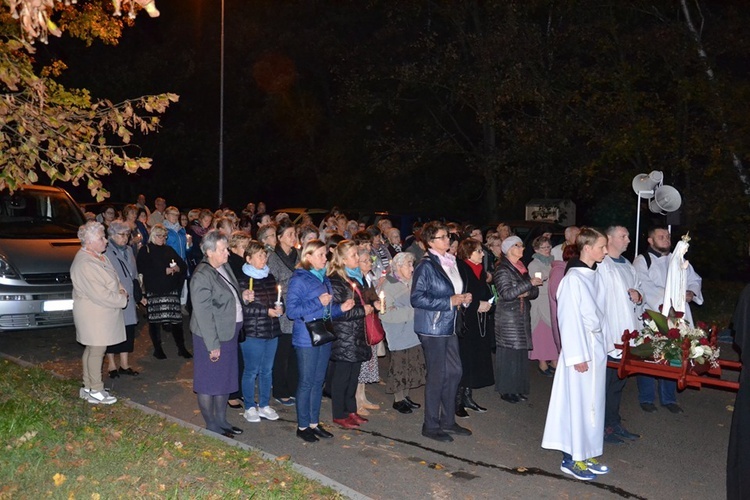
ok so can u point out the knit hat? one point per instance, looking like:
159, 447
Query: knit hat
509, 242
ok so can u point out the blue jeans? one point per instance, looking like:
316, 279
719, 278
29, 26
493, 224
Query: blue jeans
312, 363
258, 355
647, 392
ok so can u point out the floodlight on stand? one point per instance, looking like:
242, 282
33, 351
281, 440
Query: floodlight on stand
645, 184
666, 199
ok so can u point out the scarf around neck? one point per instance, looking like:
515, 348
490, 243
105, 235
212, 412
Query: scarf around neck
254, 272
477, 268
544, 259
174, 227
319, 273
446, 260
355, 273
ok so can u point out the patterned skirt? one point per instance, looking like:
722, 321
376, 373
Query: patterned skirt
406, 370
369, 373
164, 308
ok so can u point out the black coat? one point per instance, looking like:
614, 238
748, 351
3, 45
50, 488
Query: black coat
153, 261
738, 457
255, 319
477, 332
350, 344
512, 314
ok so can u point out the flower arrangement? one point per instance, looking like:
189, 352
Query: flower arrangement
672, 339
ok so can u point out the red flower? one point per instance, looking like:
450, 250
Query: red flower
703, 341
702, 325
647, 340
673, 333
645, 316
678, 314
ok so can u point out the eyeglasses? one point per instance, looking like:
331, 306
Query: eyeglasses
122, 234
545, 248
443, 237
478, 250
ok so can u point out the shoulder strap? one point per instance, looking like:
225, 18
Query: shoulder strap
647, 258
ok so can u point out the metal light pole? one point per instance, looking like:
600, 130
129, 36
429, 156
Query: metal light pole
221, 112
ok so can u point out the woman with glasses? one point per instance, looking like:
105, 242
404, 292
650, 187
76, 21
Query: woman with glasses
369, 373
436, 296
120, 254
163, 276
476, 334
515, 289
545, 350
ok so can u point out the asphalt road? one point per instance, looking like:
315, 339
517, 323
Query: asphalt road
678, 456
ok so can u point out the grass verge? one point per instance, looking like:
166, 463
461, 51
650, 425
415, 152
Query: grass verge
56, 445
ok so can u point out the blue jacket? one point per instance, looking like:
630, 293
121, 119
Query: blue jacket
302, 304
431, 293
178, 241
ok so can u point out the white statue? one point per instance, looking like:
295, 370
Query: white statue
675, 289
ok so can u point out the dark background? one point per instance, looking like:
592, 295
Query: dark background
462, 109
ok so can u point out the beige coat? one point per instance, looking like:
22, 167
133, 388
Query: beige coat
97, 301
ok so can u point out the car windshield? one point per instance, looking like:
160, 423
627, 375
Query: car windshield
38, 214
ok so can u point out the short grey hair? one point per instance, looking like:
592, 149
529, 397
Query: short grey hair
210, 240
89, 231
402, 258
156, 231
118, 226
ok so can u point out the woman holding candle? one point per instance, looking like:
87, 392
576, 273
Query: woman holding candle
350, 347
309, 298
262, 329
238, 242
513, 322
545, 351
163, 275
369, 373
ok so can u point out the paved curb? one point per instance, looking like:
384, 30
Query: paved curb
305, 471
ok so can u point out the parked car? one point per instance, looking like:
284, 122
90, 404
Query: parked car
38, 240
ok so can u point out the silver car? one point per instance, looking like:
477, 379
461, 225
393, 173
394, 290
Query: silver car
38, 240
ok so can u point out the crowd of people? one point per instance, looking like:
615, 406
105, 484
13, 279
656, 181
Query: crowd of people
292, 312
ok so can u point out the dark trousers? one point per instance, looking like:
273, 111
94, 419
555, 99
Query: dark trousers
443, 364
344, 388
285, 372
615, 386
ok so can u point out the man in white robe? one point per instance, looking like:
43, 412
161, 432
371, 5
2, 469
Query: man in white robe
575, 417
652, 270
621, 307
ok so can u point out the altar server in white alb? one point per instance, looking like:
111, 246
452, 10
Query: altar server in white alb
575, 417
622, 308
653, 270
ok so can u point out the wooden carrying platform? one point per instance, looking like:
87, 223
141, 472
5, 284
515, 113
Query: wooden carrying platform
687, 375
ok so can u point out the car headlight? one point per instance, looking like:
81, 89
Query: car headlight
6, 270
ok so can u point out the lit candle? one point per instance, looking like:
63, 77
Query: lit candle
278, 296
354, 289
381, 296
250, 285
538, 275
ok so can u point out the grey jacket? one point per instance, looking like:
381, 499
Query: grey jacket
214, 305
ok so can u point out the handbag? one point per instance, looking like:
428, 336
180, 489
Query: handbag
321, 331
374, 332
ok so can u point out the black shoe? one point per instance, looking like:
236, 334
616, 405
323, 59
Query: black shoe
412, 403
227, 433
114, 374
469, 402
307, 435
236, 431
461, 412
457, 430
547, 372
321, 432
522, 397
184, 353
159, 354
622, 432
402, 406
611, 438
235, 406
126, 371
673, 407
437, 435
648, 407
510, 398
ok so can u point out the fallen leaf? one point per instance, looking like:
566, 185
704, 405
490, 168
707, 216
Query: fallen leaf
283, 458
521, 469
58, 479
346, 437
95, 496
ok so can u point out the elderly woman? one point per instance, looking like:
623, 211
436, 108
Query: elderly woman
475, 343
216, 322
513, 322
406, 369
267, 236
394, 241
545, 349
369, 373
281, 263
309, 298
238, 242
120, 254
307, 233
130, 216
98, 301
350, 347
436, 294
163, 275
262, 331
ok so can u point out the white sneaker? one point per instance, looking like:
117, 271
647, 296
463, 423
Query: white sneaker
268, 413
251, 414
101, 397
83, 393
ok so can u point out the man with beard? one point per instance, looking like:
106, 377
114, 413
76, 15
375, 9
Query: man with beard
652, 272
